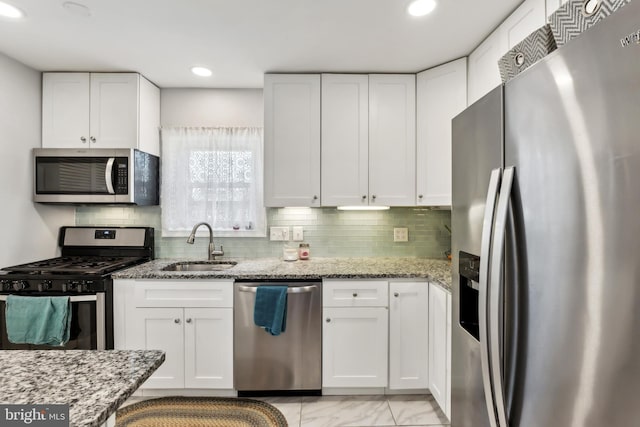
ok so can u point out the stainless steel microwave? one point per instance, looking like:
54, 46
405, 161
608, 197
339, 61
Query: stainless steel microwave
97, 175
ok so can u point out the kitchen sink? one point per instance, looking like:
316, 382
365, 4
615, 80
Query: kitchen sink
200, 266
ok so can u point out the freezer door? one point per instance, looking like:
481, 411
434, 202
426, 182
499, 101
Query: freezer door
572, 132
476, 151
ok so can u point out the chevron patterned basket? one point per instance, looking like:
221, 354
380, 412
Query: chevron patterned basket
575, 16
533, 48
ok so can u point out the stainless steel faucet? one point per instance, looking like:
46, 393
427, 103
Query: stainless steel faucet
212, 252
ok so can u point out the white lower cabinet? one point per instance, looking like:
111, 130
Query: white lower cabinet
408, 335
375, 334
191, 321
440, 347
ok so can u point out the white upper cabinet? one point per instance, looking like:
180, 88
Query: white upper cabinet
553, 5
441, 95
292, 140
392, 139
523, 21
345, 140
100, 110
484, 73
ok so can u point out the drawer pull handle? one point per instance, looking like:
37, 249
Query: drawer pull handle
176, 321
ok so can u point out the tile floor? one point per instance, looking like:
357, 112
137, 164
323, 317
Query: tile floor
360, 411
356, 411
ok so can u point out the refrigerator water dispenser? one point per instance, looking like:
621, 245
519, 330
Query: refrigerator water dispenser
469, 268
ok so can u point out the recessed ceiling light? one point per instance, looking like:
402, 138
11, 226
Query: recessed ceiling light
8, 11
201, 71
421, 7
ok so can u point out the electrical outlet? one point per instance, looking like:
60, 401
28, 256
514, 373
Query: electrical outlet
400, 234
298, 234
279, 233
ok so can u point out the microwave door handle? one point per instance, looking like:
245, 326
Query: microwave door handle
108, 175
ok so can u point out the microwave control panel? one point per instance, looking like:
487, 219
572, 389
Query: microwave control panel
122, 176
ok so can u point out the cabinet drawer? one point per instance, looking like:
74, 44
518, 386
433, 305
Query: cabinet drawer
355, 293
183, 293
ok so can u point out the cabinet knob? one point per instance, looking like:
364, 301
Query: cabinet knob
355, 294
93, 139
189, 320
364, 197
315, 198
83, 139
373, 196
328, 320
176, 321
420, 196
395, 294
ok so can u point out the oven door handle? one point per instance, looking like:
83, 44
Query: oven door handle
80, 298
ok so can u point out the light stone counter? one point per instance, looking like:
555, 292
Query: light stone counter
94, 383
435, 270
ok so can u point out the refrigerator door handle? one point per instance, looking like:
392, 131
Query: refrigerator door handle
495, 295
485, 250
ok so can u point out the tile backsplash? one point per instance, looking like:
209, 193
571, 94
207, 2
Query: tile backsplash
329, 232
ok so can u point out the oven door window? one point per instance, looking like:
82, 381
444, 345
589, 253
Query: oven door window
83, 334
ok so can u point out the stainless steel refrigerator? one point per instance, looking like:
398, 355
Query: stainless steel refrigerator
546, 240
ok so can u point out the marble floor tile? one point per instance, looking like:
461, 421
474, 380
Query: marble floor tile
346, 411
289, 406
420, 410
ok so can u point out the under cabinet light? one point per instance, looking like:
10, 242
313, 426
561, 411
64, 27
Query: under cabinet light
363, 208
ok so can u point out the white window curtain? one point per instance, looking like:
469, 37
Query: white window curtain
212, 175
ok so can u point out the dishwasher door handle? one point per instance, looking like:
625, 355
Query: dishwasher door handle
291, 290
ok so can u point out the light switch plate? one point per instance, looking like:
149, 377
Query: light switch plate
298, 234
400, 234
279, 233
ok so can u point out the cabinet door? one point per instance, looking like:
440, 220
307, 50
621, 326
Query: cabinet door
392, 139
438, 344
114, 110
447, 409
354, 347
484, 73
208, 348
292, 140
65, 110
160, 329
345, 140
441, 95
553, 5
523, 21
408, 335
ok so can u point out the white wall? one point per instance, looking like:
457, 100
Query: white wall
28, 230
211, 107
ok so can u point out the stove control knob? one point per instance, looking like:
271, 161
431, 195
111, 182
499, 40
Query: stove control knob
5, 285
45, 285
19, 285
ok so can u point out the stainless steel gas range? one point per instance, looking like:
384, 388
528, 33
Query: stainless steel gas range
89, 256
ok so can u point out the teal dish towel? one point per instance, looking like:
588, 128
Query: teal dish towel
38, 320
270, 309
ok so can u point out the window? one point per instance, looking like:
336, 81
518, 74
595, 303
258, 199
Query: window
212, 175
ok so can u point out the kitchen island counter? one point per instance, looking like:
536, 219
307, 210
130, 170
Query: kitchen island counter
94, 383
435, 270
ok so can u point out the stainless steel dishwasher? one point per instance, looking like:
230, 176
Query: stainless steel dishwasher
289, 362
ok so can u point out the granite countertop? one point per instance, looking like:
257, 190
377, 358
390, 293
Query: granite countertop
93, 382
314, 269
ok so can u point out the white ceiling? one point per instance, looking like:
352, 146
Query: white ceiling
240, 40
